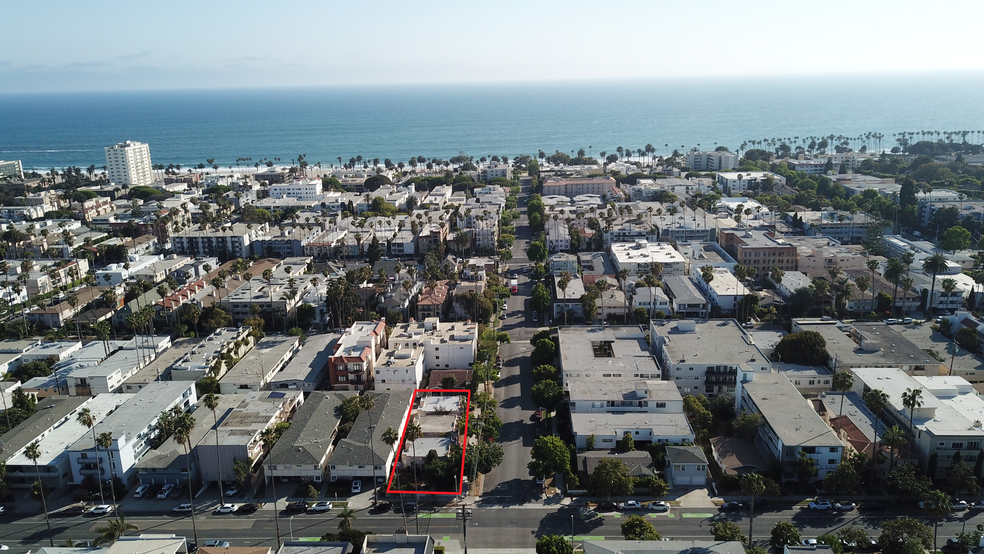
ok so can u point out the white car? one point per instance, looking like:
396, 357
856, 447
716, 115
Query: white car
182, 508
630, 505
101, 509
845, 506
535, 317
139, 492
356, 486
809, 542
216, 543
165, 490
659, 506
820, 505
232, 491
321, 507
226, 509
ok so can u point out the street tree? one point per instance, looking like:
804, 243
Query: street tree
844, 480
553, 544
752, 484
727, 531
636, 528
536, 251
784, 534
547, 394
550, 455
610, 478
853, 537
896, 532
540, 300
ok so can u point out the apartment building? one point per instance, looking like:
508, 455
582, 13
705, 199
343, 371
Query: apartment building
128, 163
641, 256
736, 183
578, 186
303, 451
711, 161
227, 242
686, 299
759, 249
12, 168
302, 189
257, 368
354, 357
358, 457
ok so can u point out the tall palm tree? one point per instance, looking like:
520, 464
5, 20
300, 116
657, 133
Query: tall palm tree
345, 519
390, 437
105, 440
894, 271
912, 399
114, 529
895, 439
935, 265
863, 282
33, 452
873, 266
907, 283
269, 438
413, 432
562, 283
211, 402
822, 287
86, 419
936, 504
367, 403
843, 382
948, 285
752, 485
183, 425
876, 400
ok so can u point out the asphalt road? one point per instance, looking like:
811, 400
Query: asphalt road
512, 482
493, 526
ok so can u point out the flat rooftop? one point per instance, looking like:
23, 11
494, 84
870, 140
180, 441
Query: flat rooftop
253, 414
50, 411
161, 366
709, 342
261, 360
66, 432
439, 404
171, 453
208, 349
624, 389
661, 425
599, 350
139, 412
310, 361
884, 346
788, 413
433, 424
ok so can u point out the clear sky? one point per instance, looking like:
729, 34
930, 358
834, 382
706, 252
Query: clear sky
65, 45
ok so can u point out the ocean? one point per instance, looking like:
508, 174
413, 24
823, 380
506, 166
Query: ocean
188, 126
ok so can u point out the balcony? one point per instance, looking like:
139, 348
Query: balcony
93, 471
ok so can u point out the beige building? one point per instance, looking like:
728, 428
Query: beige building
578, 186
759, 249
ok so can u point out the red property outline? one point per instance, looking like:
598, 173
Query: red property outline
403, 434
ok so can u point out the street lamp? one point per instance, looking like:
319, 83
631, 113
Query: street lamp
572, 532
290, 524
465, 515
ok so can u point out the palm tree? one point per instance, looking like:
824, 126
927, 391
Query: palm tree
367, 402
862, 282
114, 529
895, 439
413, 432
33, 452
752, 485
183, 425
936, 504
948, 285
912, 399
86, 419
105, 440
822, 287
269, 438
211, 402
562, 283
906, 283
876, 400
873, 266
623, 275
894, 271
935, 265
346, 517
390, 437
843, 382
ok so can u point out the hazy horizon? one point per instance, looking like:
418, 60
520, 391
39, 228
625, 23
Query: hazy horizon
178, 45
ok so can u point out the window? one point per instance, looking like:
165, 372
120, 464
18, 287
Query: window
607, 440
833, 449
661, 404
957, 446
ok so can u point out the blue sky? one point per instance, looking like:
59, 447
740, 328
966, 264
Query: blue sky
67, 45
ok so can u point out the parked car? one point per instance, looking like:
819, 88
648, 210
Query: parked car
630, 505
299, 506
247, 508
216, 543
381, 507
907, 321
607, 507
731, 506
408, 507
760, 504
820, 505
498, 364
356, 486
959, 506
659, 506
226, 509
535, 317
537, 415
748, 325
891, 321
809, 542
845, 506
165, 490
101, 509
232, 491
182, 508
321, 507
139, 491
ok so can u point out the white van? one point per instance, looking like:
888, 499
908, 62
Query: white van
140, 491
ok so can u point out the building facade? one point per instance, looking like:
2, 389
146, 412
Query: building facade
128, 163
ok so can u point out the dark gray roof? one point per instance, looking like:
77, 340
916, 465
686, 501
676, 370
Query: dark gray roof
354, 449
50, 411
685, 455
312, 429
639, 462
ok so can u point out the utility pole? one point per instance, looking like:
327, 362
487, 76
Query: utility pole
465, 515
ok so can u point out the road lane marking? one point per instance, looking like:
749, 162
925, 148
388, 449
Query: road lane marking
654, 516
696, 515
436, 516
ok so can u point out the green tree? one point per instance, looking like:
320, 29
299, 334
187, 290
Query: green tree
610, 478
33, 452
955, 238
536, 251
345, 519
553, 544
114, 529
967, 338
86, 419
936, 504
960, 478
804, 347
626, 443
844, 480
658, 487
912, 399
853, 537
544, 372
540, 301
241, 472
727, 531
753, 485
784, 534
747, 424
805, 468
550, 456
183, 426
696, 411
636, 528
897, 531
547, 394
934, 265
906, 480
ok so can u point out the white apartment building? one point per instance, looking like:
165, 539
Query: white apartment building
302, 189
734, 182
128, 163
705, 357
724, 290
11, 168
639, 256
133, 427
228, 242
652, 299
578, 186
495, 171
711, 161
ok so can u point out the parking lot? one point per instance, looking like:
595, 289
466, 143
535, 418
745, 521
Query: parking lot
965, 364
